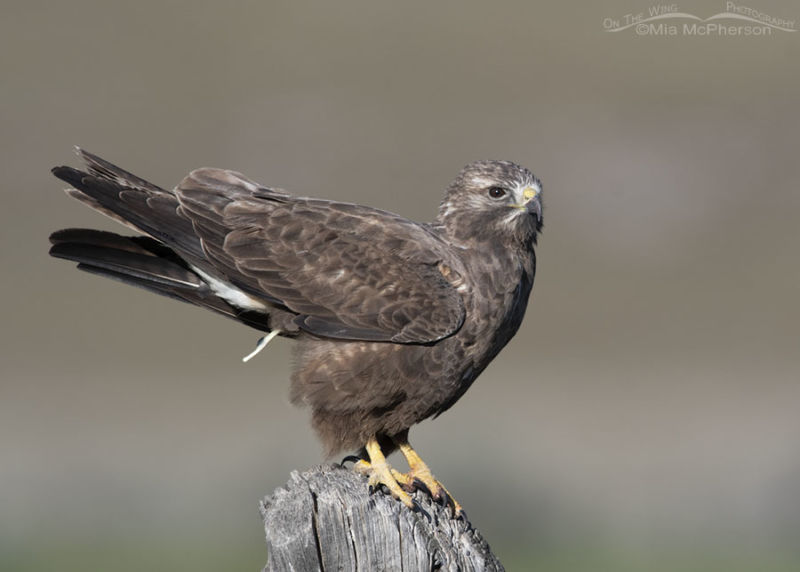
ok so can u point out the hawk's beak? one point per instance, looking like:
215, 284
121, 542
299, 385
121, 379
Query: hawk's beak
533, 202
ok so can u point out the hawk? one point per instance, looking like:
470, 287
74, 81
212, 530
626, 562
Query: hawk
393, 319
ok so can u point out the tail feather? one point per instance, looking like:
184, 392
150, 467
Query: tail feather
106, 170
126, 260
132, 201
143, 262
169, 261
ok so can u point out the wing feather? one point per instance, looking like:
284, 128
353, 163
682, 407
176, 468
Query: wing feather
344, 270
347, 271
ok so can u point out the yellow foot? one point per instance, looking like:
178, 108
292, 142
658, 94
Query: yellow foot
380, 473
420, 473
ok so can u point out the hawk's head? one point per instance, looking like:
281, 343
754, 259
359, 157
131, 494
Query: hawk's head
493, 200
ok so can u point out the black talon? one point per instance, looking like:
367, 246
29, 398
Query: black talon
420, 486
350, 458
423, 512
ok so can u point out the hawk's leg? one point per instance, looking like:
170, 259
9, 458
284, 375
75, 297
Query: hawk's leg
380, 473
419, 471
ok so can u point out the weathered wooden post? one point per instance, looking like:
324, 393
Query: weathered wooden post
325, 519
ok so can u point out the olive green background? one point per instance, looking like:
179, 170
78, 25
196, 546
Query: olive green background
644, 418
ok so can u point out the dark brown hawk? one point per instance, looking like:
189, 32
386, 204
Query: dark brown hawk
393, 319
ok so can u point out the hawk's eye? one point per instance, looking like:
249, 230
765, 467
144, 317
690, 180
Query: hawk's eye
497, 192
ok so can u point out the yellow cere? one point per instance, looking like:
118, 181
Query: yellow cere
530, 192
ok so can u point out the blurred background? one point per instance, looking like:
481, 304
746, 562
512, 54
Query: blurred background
644, 418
